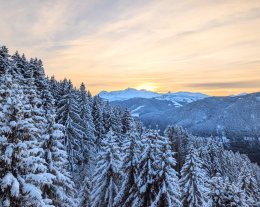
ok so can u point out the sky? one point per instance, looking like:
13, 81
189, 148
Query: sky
208, 46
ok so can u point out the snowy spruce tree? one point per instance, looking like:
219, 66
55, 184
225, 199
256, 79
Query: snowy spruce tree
107, 114
157, 180
62, 190
248, 184
223, 193
129, 169
212, 156
19, 66
167, 182
116, 121
126, 121
30, 140
106, 177
68, 115
87, 147
98, 121
179, 141
85, 193
146, 173
88, 138
193, 178
23, 171
4, 61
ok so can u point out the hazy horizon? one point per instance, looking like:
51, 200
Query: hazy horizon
210, 47
181, 91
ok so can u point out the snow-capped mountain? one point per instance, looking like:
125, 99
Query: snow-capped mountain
127, 94
178, 98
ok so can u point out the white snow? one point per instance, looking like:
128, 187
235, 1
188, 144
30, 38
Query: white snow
135, 114
15, 188
179, 97
10, 181
135, 111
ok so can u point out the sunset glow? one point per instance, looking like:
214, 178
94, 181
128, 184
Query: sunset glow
147, 86
156, 45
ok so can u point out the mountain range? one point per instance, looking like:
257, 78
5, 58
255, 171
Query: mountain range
236, 115
177, 99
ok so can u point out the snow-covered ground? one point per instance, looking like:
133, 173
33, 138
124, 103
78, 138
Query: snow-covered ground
134, 112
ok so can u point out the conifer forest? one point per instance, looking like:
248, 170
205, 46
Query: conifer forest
60, 146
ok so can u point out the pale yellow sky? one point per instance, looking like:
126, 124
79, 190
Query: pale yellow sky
162, 45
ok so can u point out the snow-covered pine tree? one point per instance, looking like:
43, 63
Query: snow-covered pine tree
98, 121
90, 98
87, 147
230, 166
23, 171
43, 89
130, 167
106, 176
248, 184
212, 157
234, 196
19, 64
116, 122
193, 178
107, 113
62, 190
179, 142
54, 89
38, 74
4, 61
127, 121
68, 115
85, 193
148, 169
223, 193
48, 176
150, 175
28, 84
88, 138
256, 171
167, 182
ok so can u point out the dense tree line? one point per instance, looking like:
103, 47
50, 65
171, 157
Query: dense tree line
61, 146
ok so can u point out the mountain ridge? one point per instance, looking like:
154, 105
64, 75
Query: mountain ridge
177, 97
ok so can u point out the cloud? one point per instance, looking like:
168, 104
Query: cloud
230, 19
122, 43
219, 85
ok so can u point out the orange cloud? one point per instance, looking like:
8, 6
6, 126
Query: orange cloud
173, 44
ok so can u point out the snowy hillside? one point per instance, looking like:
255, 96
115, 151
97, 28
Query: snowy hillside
180, 98
199, 116
141, 102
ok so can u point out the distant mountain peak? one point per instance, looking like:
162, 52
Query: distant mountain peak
126, 94
129, 93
